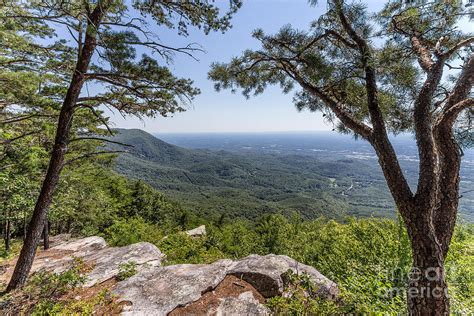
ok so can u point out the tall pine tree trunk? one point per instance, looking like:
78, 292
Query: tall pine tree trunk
429, 217
35, 228
427, 289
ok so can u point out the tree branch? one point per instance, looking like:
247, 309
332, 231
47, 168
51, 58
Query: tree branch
338, 109
97, 115
10, 140
448, 117
24, 117
70, 161
370, 79
101, 139
424, 55
393, 173
462, 87
458, 46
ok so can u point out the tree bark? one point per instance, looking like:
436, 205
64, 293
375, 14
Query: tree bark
68, 226
35, 228
427, 292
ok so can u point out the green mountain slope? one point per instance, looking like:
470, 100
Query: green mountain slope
249, 185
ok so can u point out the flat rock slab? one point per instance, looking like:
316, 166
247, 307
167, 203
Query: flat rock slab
93, 251
161, 290
60, 257
107, 262
81, 247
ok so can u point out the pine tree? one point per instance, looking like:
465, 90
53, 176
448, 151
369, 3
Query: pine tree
106, 36
375, 75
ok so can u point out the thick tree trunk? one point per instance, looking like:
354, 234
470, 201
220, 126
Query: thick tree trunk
35, 228
427, 292
68, 226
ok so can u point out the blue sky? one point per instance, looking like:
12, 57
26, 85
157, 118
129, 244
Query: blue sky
223, 111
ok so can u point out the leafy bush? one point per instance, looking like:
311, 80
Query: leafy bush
126, 270
368, 258
180, 248
88, 307
129, 231
47, 285
300, 298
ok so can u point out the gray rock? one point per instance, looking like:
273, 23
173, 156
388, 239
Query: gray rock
107, 261
160, 290
156, 290
81, 247
197, 232
265, 274
245, 304
60, 257
59, 239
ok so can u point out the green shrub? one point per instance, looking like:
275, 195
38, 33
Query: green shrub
126, 270
300, 298
180, 248
47, 285
129, 231
82, 307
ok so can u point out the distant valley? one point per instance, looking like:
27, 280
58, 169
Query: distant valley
247, 175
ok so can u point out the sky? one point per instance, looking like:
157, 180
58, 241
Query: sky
223, 111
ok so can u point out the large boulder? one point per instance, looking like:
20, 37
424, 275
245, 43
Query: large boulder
266, 274
107, 262
197, 232
159, 291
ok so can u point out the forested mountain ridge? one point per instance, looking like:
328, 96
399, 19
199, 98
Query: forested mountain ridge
217, 181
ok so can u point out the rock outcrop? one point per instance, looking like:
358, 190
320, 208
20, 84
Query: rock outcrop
197, 232
265, 273
92, 251
160, 291
225, 287
107, 262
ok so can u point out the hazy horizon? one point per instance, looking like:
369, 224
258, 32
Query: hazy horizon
223, 111
226, 112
